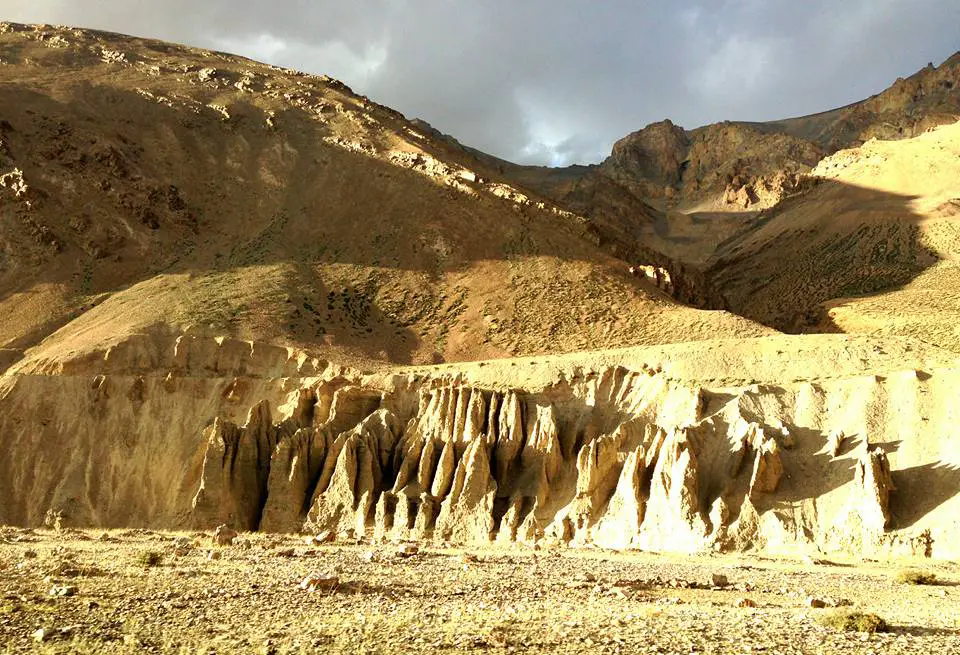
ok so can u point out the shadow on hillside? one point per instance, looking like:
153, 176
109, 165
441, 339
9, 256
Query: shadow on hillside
266, 196
834, 240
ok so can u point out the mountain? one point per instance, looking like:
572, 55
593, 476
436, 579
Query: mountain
677, 194
153, 187
873, 219
239, 294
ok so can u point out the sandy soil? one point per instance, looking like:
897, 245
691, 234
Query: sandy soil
250, 599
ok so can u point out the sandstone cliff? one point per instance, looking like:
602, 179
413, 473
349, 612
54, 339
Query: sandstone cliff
671, 449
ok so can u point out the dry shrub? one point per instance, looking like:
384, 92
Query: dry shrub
913, 576
852, 621
149, 558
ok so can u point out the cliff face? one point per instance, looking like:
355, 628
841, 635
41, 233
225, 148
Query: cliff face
654, 155
662, 161
619, 451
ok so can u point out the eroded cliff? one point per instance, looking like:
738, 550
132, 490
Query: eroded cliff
665, 449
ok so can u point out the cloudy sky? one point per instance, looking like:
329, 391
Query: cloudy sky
558, 81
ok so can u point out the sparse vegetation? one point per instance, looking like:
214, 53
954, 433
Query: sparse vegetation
852, 621
483, 601
149, 558
916, 577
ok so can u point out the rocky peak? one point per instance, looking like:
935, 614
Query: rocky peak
655, 154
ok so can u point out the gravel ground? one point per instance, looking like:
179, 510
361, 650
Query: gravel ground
94, 592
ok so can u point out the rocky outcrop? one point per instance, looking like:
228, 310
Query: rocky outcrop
873, 484
612, 456
767, 468
672, 521
466, 513
652, 159
236, 467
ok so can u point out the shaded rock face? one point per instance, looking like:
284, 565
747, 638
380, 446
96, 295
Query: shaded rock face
735, 162
655, 155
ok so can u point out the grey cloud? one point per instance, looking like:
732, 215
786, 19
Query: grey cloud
557, 81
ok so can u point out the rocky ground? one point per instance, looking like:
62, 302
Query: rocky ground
144, 591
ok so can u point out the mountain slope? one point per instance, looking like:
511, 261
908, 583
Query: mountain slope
877, 217
196, 248
148, 186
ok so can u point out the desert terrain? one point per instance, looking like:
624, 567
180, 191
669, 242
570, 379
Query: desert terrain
511, 408
144, 591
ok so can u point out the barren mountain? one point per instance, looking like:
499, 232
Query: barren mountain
732, 166
152, 186
228, 289
674, 195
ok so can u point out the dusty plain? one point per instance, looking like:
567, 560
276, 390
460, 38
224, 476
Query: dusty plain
249, 599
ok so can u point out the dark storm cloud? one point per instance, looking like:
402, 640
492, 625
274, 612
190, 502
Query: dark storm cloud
557, 81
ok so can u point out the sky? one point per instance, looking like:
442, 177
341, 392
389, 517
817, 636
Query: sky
558, 81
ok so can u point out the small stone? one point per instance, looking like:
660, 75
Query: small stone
815, 603
64, 591
589, 577
320, 582
746, 602
325, 537
42, 634
286, 552
214, 554
408, 550
719, 580
672, 600
224, 535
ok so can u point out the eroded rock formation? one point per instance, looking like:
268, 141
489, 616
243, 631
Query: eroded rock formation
608, 455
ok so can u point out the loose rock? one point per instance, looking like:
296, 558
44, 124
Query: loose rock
408, 550
320, 582
224, 535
